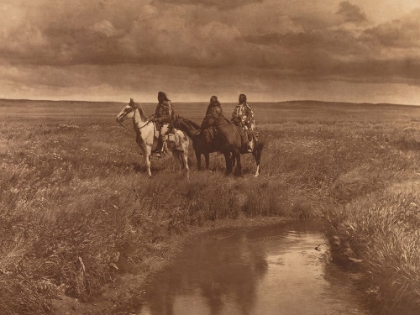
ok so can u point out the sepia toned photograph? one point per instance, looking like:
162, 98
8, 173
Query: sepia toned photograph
209, 157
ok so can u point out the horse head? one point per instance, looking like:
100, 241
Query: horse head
126, 112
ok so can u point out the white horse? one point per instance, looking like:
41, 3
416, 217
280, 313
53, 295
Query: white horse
147, 135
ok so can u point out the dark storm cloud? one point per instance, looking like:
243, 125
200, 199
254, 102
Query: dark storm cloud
152, 35
66, 47
351, 12
83, 46
341, 55
214, 44
403, 71
401, 33
310, 55
162, 35
334, 42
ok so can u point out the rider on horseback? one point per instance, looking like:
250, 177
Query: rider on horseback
213, 109
163, 115
243, 115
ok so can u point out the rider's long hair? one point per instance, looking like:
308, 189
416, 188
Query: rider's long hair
163, 94
215, 100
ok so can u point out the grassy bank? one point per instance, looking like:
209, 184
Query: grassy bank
78, 209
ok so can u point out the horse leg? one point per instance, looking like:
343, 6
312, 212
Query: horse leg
207, 157
182, 157
228, 160
198, 157
238, 164
257, 156
148, 152
187, 168
177, 157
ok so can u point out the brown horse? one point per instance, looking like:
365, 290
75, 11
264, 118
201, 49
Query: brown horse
231, 140
200, 144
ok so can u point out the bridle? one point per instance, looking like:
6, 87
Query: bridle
147, 122
120, 123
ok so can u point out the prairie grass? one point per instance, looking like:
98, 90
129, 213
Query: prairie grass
77, 208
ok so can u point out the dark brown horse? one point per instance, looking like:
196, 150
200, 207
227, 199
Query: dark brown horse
231, 140
201, 145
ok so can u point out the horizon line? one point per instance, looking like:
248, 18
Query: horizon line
191, 102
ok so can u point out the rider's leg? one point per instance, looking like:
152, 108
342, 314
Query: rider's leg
250, 144
254, 134
159, 147
164, 130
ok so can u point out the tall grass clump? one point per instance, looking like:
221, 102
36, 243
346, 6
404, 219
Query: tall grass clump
378, 235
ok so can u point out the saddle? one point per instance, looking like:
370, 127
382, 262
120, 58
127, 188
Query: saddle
210, 133
172, 138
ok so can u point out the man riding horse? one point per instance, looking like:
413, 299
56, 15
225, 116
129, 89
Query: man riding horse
243, 115
164, 113
213, 109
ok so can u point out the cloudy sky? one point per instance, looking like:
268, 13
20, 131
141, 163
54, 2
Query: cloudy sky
271, 50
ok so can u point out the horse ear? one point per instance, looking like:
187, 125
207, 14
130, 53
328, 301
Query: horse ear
131, 100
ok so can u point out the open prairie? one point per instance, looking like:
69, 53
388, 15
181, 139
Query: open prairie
77, 209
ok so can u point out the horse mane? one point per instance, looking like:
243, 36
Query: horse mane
222, 117
227, 120
186, 125
141, 111
191, 123
143, 114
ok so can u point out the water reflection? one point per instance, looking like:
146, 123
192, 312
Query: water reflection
270, 270
220, 276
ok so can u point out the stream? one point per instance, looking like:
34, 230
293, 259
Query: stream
278, 269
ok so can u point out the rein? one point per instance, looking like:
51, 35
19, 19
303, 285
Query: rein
126, 129
210, 115
226, 123
218, 126
120, 123
147, 122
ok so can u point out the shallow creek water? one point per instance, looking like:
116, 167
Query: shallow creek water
264, 270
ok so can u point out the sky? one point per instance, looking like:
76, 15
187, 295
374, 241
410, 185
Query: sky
270, 50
